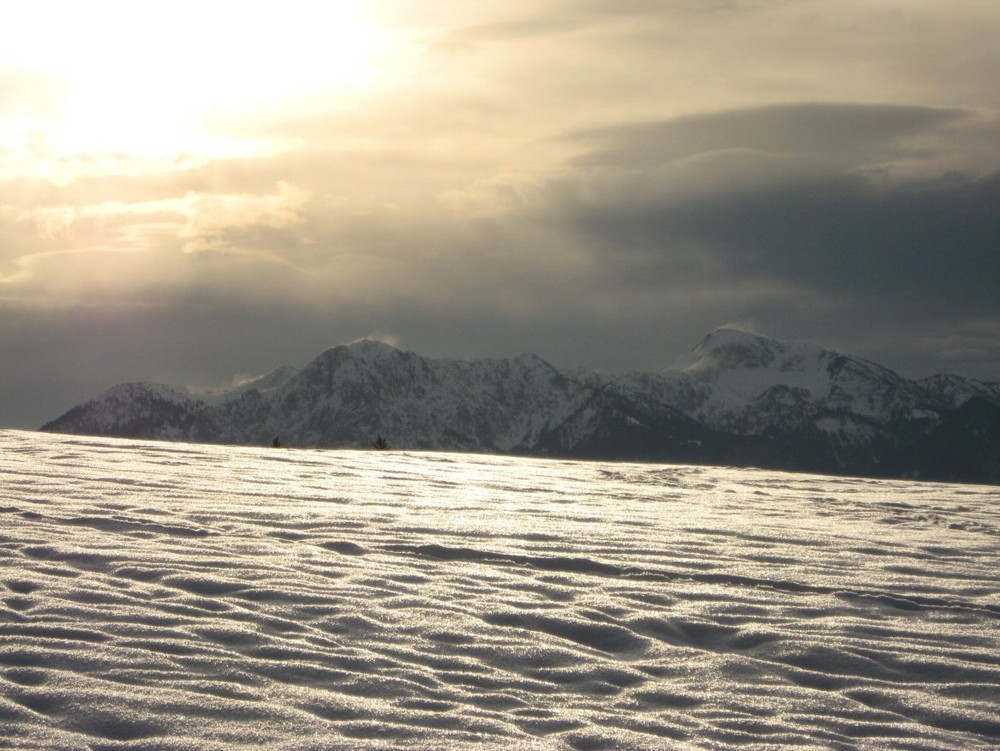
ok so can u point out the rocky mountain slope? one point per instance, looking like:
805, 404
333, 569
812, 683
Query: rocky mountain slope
736, 399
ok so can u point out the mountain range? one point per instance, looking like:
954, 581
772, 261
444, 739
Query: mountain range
737, 399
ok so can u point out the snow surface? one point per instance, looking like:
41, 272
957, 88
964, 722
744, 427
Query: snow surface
176, 596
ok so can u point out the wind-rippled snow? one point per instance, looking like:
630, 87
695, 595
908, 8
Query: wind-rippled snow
174, 596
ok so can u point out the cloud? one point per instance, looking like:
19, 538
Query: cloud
767, 214
835, 216
927, 249
827, 196
844, 131
193, 222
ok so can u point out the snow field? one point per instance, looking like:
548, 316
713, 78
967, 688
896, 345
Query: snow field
175, 596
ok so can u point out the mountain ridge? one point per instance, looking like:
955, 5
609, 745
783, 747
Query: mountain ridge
737, 399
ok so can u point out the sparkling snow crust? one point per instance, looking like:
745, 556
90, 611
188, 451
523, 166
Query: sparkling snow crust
177, 596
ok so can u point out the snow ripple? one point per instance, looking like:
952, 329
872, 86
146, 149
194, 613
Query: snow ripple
176, 596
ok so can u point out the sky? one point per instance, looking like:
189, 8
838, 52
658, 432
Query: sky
194, 193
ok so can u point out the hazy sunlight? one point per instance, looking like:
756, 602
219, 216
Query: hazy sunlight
143, 79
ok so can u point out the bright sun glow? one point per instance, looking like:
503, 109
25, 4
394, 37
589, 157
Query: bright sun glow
141, 79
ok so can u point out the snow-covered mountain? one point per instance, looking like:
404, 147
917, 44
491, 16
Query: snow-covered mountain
350, 394
754, 384
830, 410
146, 410
737, 398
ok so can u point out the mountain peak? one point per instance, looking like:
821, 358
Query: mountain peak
370, 347
731, 348
366, 344
726, 336
741, 366
362, 349
125, 392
